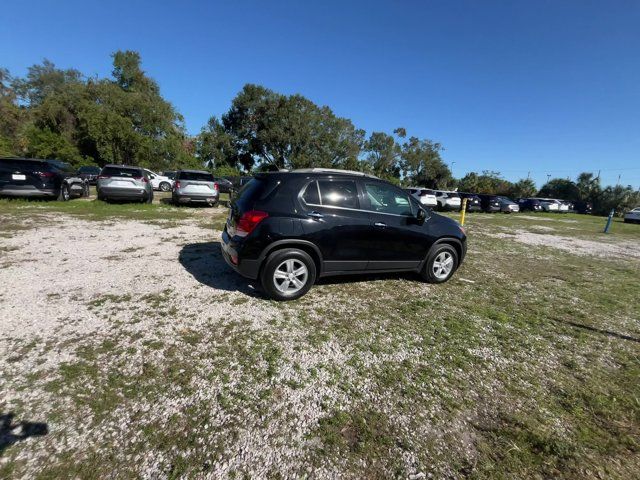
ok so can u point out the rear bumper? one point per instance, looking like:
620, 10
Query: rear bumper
28, 192
122, 192
190, 197
246, 268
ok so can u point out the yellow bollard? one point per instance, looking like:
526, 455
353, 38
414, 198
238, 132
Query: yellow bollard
463, 211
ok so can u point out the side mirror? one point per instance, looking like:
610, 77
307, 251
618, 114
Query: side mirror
421, 216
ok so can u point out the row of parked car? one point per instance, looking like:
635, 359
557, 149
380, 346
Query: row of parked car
477, 202
26, 177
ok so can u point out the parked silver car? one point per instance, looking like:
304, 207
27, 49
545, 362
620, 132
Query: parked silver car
195, 186
122, 182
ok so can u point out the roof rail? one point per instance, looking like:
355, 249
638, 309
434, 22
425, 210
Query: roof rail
333, 170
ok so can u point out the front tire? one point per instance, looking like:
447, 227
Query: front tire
288, 274
441, 264
165, 186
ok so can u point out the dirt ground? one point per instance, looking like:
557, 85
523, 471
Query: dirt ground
147, 357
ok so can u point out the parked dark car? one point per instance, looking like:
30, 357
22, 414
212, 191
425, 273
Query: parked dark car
170, 174
530, 205
89, 173
224, 185
473, 202
29, 177
124, 182
289, 228
489, 203
585, 208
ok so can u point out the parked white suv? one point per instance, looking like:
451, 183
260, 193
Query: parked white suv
160, 182
448, 200
425, 196
548, 204
633, 216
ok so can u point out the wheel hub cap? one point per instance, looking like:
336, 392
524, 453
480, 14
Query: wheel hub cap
290, 276
442, 265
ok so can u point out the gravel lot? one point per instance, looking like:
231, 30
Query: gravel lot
145, 355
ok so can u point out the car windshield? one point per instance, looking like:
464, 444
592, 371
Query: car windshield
197, 176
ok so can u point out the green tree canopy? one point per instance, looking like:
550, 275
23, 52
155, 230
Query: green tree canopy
423, 166
289, 131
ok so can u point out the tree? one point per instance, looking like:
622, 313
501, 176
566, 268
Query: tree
422, 165
289, 131
489, 182
588, 187
524, 187
560, 188
215, 147
383, 155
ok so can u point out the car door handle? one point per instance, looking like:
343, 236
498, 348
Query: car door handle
315, 215
380, 225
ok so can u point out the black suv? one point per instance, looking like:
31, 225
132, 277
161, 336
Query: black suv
289, 228
473, 202
28, 177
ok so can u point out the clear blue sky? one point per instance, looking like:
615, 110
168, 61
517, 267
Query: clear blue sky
513, 86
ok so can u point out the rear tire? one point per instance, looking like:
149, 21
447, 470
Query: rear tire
288, 274
165, 186
441, 264
64, 193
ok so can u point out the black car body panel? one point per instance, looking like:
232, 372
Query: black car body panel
28, 177
489, 203
474, 204
338, 219
530, 205
89, 173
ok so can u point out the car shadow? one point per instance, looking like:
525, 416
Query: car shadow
205, 263
12, 432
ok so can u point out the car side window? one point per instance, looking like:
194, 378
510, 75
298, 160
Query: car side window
339, 193
311, 196
387, 199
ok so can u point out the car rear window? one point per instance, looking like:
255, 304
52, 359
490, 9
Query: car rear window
25, 165
121, 172
197, 176
249, 193
93, 170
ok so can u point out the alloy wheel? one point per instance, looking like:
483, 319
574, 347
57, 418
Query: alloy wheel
442, 265
290, 276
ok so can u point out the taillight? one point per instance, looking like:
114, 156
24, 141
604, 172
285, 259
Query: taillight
103, 177
215, 186
249, 221
46, 174
176, 184
141, 179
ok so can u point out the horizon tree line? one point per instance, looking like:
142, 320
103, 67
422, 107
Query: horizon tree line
63, 114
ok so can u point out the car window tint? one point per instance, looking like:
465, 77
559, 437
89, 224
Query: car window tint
311, 195
341, 193
387, 199
196, 176
122, 172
